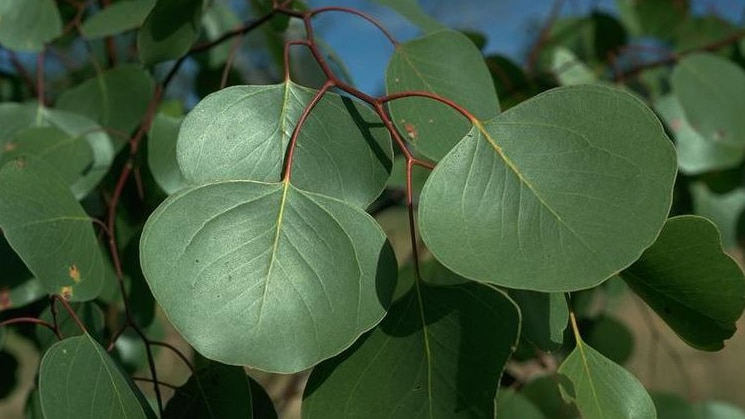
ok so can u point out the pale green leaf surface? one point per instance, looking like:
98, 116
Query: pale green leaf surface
602, 389
723, 209
78, 379
116, 18
448, 64
411, 10
242, 264
169, 30
718, 410
435, 355
688, 280
49, 230
569, 69
242, 132
161, 152
26, 25
117, 99
556, 194
696, 154
709, 90
218, 19
72, 145
100, 144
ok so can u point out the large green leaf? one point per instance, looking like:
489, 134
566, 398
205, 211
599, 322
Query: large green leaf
546, 197
708, 88
241, 132
26, 25
117, 98
696, 154
78, 379
690, 282
49, 230
219, 391
78, 149
242, 264
169, 30
438, 354
448, 64
601, 388
116, 18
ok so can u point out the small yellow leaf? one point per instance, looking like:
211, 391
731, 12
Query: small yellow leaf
74, 273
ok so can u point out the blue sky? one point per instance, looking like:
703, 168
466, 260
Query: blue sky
509, 25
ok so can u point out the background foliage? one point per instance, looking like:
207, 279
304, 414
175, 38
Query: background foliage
181, 182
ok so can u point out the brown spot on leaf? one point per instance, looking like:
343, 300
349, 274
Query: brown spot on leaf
66, 292
21, 162
411, 130
5, 302
9, 146
676, 124
74, 273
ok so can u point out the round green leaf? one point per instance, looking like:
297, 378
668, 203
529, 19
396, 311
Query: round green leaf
708, 88
448, 64
116, 18
77, 149
241, 132
26, 25
696, 154
548, 198
49, 230
241, 264
688, 280
435, 355
603, 389
78, 379
117, 99
169, 30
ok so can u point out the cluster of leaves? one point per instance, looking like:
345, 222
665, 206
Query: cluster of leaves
248, 219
